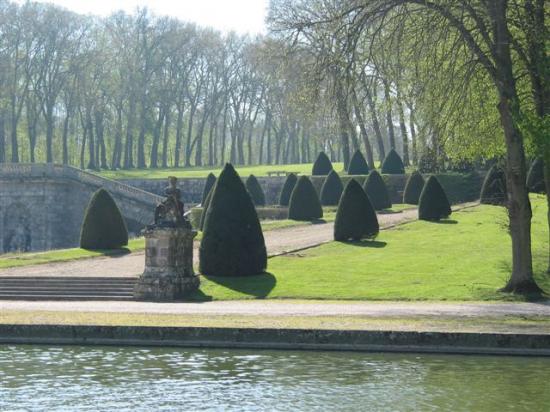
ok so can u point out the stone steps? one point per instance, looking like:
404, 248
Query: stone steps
66, 288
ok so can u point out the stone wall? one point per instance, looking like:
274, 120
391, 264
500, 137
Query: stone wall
42, 206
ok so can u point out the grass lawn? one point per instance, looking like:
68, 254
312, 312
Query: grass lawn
465, 258
259, 170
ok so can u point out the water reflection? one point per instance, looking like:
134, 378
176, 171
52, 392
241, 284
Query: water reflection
165, 379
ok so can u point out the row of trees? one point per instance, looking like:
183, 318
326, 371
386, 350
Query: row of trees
144, 91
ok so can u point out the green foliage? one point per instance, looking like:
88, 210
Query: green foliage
103, 226
210, 181
232, 242
535, 177
331, 190
322, 165
290, 182
255, 190
493, 191
358, 165
413, 188
355, 218
433, 203
304, 201
205, 207
376, 190
393, 165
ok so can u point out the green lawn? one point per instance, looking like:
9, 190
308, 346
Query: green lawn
260, 170
466, 258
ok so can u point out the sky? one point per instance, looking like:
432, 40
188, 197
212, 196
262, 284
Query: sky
243, 16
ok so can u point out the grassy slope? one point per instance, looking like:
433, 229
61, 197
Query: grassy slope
260, 170
466, 260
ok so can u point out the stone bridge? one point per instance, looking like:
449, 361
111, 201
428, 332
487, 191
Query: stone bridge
42, 205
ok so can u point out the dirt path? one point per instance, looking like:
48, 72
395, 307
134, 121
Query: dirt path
277, 242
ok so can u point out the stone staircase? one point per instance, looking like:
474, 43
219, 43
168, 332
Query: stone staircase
66, 288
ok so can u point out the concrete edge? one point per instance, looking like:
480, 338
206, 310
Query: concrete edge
289, 339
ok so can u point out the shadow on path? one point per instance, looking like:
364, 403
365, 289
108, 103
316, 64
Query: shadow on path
258, 286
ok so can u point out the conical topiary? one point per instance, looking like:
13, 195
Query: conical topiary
358, 165
413, 188
355, 218
376, 190
290, 182
535, 177
103, 226
331, 190
493, 191
322, 165
232, 243
255, 190
433, 203
210, 181
205, 207
304, 201
393, 165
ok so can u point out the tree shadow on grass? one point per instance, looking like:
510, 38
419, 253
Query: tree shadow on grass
388, 212
318, 221
114, 253
445, 221
258, 286
367, 243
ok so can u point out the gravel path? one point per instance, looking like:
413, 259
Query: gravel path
277, 241
294, 308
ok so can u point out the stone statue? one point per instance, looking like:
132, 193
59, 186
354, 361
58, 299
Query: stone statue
169, 213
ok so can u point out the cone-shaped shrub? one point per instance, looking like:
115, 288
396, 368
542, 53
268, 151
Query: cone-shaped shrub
290, 182
322, 165
393, 165
103, 226
433, 203
210, 181
232, 242
355, 218
358, 165
205, 206
535, 177
255, 190
493, 191
376, 190
304, 201
331, 190
413, 188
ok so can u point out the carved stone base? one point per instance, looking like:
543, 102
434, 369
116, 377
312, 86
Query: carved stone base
168, 274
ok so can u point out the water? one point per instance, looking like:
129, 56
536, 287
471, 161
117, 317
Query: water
71, 378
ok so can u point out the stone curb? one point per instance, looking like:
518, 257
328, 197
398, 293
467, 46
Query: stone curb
295, 339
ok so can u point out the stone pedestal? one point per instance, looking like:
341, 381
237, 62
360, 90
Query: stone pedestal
168, 274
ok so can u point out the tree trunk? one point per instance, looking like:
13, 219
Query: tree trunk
91, 143
179, 127
65, 136
154, 157
13, 134
404, 136
363, 129
115, 164
188, 146
165, 138
376, 126
2, 138
389, 117
99, 127
141, 137
413, 137
49, 134
129, 144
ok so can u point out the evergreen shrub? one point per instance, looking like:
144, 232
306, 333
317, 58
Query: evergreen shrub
332, 189
413, 188
210, 181
493, 191
255, 190
358, 165
355, 217
103, 226
376, 190
232, 243
433, 203
205, 207
304, 201
290, 182
393, 165
322, 165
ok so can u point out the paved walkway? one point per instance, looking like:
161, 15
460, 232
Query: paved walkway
294, 308
277, 241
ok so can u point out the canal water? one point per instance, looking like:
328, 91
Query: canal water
76, 378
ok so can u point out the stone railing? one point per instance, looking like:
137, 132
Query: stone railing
56, 171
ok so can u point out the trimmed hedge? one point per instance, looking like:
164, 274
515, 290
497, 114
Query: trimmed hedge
322, 165
393, 165
376, 190
103, 226
210, 181
355, 217
255, 190
304, 201
232, 243
358, 165
433, 203
205, 207
493, 191
413, 188
290, 182
535, 177
332, 189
